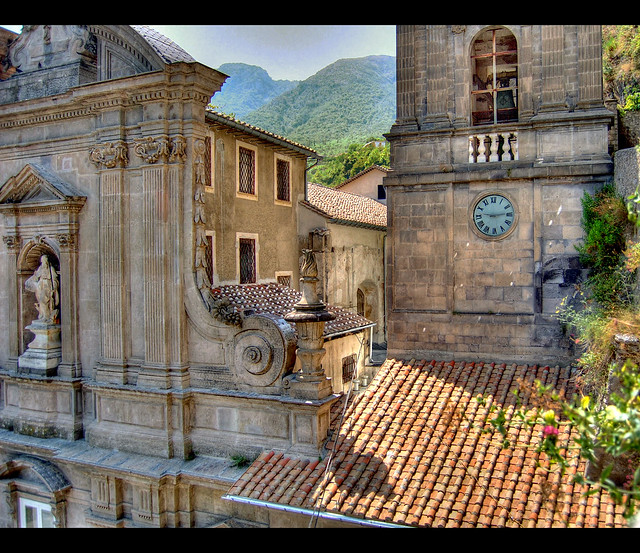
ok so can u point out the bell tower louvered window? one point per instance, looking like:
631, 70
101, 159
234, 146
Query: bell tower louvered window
494, 66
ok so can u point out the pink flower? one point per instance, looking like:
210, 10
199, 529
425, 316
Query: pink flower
550, 431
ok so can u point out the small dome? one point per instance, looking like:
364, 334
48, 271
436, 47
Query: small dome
168, 50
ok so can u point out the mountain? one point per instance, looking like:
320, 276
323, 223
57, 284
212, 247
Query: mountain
247, 88
348, 101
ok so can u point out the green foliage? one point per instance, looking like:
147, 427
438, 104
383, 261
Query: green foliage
614, 430
621, 62
605, 421
632, 102
358, 157
607, 229
247, 88
240, 461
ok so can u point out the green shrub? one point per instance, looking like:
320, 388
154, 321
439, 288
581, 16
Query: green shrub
607, 230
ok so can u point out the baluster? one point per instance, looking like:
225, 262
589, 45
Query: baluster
472, 147
493, 147
506, 152
481, 149
514, 145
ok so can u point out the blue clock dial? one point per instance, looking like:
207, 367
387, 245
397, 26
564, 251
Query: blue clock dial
494, 215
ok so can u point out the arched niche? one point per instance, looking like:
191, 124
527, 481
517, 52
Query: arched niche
28, 262
30, 477
41, 213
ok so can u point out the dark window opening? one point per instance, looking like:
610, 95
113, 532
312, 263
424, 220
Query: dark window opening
247, 260
283, 180
494, 65
348, 367
247, 171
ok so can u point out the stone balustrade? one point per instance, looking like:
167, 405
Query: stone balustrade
493, 146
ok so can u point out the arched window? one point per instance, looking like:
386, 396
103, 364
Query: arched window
494, 66
360, 302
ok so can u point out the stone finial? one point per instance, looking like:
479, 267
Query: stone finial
310, 315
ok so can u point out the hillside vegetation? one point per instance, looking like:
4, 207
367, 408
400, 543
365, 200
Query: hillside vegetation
346, 102
247, 88
621, 64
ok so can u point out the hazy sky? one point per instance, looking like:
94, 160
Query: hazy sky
292, 52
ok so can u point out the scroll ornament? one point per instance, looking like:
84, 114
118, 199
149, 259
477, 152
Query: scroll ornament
151, 149
110, 155
199, 220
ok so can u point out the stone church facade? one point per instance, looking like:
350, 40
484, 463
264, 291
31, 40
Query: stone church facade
499, 132
126, 384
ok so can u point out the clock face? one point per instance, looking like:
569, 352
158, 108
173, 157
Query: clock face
494, 215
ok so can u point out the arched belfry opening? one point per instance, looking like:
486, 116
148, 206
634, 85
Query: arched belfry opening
494, 69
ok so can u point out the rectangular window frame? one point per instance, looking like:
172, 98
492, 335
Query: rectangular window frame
281, 276
256, 248
244, 189
39, 507
349, 365
210, 163
278, 162
210, 253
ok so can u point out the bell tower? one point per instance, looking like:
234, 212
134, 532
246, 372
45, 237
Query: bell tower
500, 131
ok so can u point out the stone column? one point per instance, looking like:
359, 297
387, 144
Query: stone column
310, 315
112, 159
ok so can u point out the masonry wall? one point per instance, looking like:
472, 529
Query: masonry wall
454, 294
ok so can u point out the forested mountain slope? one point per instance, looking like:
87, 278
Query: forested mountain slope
346, 102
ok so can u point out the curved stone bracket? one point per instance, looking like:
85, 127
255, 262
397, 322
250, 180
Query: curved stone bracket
263, 351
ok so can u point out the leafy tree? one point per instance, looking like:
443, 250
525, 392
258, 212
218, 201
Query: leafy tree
358, 157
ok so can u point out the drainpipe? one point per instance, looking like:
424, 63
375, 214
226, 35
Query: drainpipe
306, 180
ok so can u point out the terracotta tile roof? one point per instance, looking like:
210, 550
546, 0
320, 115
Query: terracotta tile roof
410, 450
345, 207
279, 300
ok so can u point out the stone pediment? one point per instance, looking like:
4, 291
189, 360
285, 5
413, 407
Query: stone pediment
35, 185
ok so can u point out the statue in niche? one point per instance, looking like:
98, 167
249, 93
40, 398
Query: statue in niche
44, 283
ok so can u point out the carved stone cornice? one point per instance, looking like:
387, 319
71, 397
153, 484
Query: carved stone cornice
110, 155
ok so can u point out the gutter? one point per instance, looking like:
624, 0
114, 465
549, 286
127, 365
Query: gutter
348, 331
261, 133
311, 513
